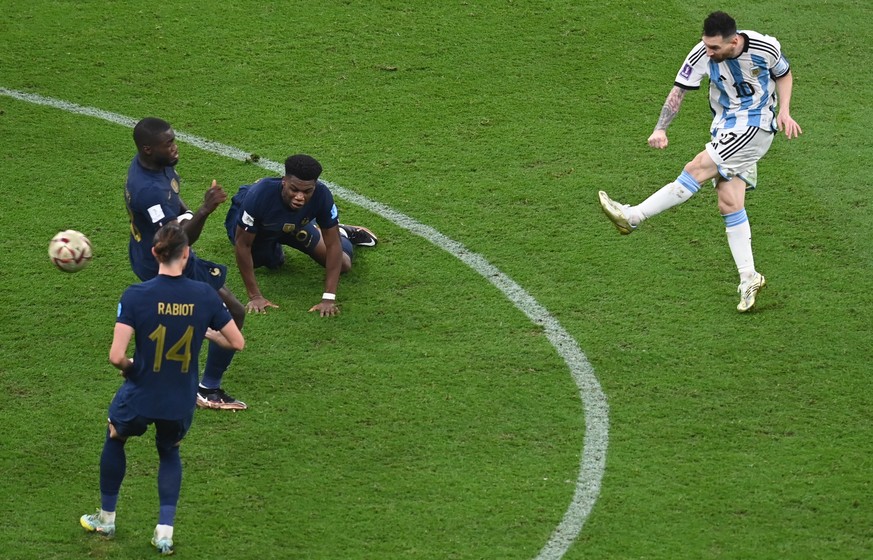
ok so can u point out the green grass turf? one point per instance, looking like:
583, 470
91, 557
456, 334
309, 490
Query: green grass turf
432, 419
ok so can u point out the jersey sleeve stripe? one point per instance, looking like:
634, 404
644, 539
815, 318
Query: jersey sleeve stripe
781, 68
763, 46
695, 57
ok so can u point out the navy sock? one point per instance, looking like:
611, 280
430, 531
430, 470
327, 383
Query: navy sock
113, 465
169, 483
167, 515
217, 361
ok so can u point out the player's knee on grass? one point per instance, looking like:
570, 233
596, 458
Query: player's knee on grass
319, 253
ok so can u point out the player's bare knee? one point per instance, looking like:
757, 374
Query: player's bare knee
113, 434
702, 168
731, 196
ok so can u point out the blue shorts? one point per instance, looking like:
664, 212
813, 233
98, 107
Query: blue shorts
130, 424
197, 269
268, 251
206, 271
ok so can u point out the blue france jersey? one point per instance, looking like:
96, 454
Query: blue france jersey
742, 90
169, 315
265, 214
152, 199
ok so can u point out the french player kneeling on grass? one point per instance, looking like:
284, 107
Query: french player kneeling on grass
295, 210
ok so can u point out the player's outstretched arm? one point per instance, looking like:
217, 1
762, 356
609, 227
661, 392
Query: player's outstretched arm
242, 245
784, 122
658, 139
333, 264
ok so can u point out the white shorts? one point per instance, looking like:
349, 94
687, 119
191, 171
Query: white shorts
736, 152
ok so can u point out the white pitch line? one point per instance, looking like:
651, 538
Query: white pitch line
595, 407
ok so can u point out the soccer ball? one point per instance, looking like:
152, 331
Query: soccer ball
70, 251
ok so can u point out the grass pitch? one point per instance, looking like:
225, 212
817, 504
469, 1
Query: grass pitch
432, 419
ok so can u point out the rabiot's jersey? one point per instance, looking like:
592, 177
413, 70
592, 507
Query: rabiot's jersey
742, 90
169, 315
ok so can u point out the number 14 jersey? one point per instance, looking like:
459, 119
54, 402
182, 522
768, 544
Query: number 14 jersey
169, 315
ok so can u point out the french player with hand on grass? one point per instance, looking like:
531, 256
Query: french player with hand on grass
296, 210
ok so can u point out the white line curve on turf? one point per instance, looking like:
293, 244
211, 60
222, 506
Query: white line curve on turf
595, 407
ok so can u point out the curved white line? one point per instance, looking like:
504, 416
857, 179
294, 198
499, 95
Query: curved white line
596, 409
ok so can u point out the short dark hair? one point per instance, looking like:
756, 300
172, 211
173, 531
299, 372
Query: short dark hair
147, 130
169, 242
303, 167
719, 24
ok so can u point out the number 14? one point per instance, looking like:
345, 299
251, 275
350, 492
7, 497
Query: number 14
178, 352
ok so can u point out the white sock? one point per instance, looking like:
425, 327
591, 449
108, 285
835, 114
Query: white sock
107, 516
164, 532
739, 237
668, 196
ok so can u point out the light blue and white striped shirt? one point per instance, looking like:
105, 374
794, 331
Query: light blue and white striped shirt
742, 90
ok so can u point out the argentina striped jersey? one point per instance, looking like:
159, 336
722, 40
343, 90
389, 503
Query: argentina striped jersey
742, 90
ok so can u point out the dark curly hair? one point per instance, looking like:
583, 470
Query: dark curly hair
303, 167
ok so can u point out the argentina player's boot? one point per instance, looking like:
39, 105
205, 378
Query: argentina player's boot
748, 290
616, 214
